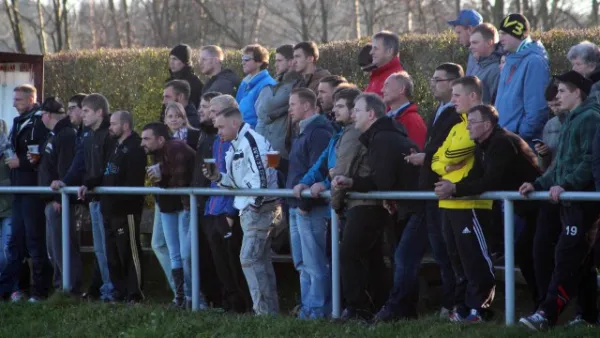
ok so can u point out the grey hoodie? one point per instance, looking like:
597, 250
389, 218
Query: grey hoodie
272, 110
489, 74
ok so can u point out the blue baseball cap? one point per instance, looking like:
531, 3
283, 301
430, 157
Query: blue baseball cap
467, 17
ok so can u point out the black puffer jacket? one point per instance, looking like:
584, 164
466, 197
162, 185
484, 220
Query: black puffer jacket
225, 82
387, 144
57, 155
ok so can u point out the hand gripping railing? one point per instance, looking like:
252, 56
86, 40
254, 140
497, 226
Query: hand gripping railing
507, 196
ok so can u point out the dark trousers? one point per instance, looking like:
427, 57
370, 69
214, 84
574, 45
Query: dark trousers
524, 250
361, 255
470, 256
225, 244
28, 234
566, 247
123, 251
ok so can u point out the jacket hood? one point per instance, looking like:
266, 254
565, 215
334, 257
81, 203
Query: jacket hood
534, 48
62, 124
105, 123
184, 73
585, 106
134, 140
393, 64
257, 78
320, 121
291, 76
382, 124
494, 58
228, 74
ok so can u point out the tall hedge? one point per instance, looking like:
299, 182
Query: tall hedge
132, 79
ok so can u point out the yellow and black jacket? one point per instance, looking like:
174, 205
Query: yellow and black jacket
457, 147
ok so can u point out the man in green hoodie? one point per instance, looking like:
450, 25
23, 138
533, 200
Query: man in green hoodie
562, 252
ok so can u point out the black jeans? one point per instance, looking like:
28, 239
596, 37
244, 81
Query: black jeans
470, 256
123, 251
225, 244
566, 246
360, 253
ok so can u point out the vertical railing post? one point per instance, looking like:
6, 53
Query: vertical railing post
509, 260
195, 253
66, 242
335, 266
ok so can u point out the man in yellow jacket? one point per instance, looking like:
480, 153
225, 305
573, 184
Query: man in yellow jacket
464, 220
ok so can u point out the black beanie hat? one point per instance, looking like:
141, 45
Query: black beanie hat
183, 53
515, 24
365, 60
53, 105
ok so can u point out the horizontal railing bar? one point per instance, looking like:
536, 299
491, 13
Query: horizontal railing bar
379, 195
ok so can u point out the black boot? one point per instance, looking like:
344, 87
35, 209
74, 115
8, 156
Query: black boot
179, 301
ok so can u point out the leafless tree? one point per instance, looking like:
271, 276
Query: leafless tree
14, 17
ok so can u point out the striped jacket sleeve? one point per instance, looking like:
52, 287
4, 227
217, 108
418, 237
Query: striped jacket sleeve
454, 150
257, 175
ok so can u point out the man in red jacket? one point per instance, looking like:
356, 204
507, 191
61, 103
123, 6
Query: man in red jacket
385, 52
397, 91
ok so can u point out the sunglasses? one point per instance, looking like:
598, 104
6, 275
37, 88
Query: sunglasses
246, 58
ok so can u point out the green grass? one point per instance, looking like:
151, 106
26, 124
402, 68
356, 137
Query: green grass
64, 317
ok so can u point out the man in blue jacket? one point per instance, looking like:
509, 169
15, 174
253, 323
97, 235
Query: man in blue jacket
255, 60
520, 99
308, 217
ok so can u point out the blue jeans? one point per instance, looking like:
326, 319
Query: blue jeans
176, 227
99, 237
159, 246
4, 236
309, 251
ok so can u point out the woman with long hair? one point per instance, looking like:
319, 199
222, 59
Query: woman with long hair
178, 123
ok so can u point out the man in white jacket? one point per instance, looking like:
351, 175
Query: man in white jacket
246, 162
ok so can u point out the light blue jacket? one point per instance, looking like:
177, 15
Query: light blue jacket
520, 100
248, 92
327, 158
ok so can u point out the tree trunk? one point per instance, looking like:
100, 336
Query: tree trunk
357, 18
42, 31
256, 27
594, 13
65, 19
518, 7
12, 10
93, 24
58, 24
125, 10
115, 23
324, 19
498, 12
457, 4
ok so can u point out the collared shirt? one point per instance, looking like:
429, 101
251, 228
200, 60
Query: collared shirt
440, 109
181, 134
393, 113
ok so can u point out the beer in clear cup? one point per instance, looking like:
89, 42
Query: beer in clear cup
273, 158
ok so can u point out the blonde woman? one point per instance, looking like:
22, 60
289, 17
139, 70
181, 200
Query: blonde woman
177, 121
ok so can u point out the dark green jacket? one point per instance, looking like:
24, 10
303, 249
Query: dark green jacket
573, 167
5, 199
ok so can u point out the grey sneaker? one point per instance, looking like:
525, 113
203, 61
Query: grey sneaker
536, 322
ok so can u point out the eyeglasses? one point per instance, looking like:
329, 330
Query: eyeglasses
436, 80
71, 108
246, 58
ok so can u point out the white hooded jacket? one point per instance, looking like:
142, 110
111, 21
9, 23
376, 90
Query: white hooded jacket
246, 162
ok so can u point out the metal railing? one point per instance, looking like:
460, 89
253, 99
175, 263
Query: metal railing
506, 196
